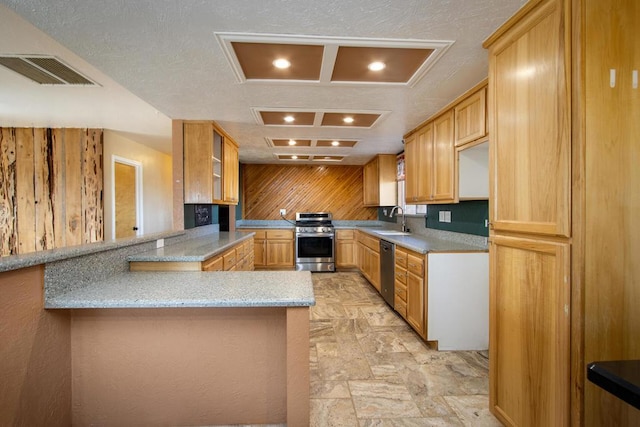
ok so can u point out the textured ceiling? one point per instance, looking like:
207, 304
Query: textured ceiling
160, 60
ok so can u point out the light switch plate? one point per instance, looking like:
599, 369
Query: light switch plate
447, 216
283, 212
441, 216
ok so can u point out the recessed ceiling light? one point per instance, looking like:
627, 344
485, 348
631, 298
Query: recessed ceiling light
335, 143
348, 119
376, 66
294, 157
281, 63
292, 142
289, 119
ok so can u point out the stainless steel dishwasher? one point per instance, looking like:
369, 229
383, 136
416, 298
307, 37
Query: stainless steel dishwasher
387, 275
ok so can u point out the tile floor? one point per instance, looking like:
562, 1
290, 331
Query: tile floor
368, 368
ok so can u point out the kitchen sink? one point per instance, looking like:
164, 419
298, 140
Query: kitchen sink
393, 233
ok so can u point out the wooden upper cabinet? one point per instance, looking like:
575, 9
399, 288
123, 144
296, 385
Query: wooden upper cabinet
419, 165
430, 161
198, 163
231, 172
444, 155
471, 118
379, 181
210, 165
530, 125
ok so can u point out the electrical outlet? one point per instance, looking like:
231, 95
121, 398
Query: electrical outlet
283, 212
159, 243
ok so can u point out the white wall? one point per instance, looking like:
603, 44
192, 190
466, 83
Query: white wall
157, 190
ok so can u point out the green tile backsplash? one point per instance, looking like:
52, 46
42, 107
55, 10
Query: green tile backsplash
466, 217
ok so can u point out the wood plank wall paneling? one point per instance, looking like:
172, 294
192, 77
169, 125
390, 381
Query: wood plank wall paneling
51, 189
25, 190
336, 189
8, 212
43, 168
92, 186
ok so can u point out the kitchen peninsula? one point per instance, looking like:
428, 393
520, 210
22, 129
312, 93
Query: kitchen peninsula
159, 347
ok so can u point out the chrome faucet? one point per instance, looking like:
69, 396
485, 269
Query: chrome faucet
404, 222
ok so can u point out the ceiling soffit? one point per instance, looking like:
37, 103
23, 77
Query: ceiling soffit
329, 60
291, 117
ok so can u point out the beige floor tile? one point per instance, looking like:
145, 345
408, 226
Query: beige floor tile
473, 411
369, 368
332, 413
381, 399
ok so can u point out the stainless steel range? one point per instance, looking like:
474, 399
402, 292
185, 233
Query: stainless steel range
315, 242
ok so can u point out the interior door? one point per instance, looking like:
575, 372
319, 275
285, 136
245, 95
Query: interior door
125, 200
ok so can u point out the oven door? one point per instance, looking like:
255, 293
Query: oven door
314, 247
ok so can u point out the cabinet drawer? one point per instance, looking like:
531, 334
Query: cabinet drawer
260, 234
401, 275
400, 306
213, 264
401, 258
280, 234
401, 291
344, 235
229, 258
370, 242
415, 265
248, 247
240, 252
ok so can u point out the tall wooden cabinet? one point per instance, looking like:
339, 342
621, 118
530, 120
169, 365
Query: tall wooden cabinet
529, 209
564, 105
210, 165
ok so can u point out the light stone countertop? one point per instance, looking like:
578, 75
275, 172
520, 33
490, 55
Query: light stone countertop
423, 244
194, 250
15, 262
192, 289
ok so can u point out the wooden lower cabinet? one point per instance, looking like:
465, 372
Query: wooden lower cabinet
368, 258
529, 331
237, 258
410, 289
345, 249
273, 249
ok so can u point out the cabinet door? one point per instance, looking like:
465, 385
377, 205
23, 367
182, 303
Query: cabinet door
444, 165
198, 163
374, 269
419, 166
280, 253
260, 253
370, 182
411, 157
416, 303
530, 120
230, 170
345, 253
470, 118
529, 331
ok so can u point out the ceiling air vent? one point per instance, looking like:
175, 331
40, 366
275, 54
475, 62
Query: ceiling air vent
45, 70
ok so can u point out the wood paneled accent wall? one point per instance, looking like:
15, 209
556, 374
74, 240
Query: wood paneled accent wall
336, 189
50, 188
